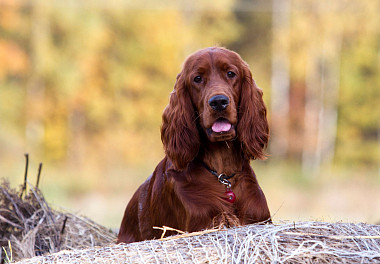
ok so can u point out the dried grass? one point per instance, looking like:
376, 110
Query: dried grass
33, 228
304, 242
30, 228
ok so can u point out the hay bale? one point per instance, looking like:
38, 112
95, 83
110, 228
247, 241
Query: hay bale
304, 242
33, 228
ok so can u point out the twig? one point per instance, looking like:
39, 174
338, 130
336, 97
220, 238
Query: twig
39, 175
183, 234
3, 219
64, 225
275, 213
15, 206
331, 237
7, 259
42, 202
25, 175
166, 228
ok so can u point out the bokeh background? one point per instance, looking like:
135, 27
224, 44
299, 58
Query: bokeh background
83, 85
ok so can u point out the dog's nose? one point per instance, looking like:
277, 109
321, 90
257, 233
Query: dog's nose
219, 102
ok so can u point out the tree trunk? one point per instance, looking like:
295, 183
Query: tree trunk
280, 81
35, 89
321, 109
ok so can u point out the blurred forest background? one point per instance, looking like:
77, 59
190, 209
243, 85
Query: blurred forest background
83, 85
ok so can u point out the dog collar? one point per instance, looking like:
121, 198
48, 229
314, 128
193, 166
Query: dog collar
223, 179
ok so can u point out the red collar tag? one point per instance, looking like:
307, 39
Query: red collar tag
230, 196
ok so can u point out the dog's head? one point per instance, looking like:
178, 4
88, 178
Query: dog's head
214, 93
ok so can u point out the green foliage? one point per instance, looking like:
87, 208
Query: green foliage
94, 77
86, 83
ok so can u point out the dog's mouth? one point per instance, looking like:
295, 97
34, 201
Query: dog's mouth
221, 130
221, 126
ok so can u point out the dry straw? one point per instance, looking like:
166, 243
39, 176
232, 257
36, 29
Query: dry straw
29, 227
33, 228
305, 242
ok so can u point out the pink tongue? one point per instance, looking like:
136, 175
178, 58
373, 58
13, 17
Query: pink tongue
221, 126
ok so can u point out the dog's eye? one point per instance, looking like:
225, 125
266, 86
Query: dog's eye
198, 79
231, 74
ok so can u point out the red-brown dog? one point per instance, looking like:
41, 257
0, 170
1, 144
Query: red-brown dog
214, 125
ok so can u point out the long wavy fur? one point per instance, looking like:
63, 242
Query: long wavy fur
252, 129
179, 132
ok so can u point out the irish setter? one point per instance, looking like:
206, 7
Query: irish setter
214, 125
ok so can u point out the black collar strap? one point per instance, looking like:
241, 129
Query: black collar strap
222, 178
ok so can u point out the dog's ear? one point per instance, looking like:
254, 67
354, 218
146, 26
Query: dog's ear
252, 129
179, 132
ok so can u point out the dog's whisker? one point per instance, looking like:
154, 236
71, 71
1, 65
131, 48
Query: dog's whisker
198, 116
